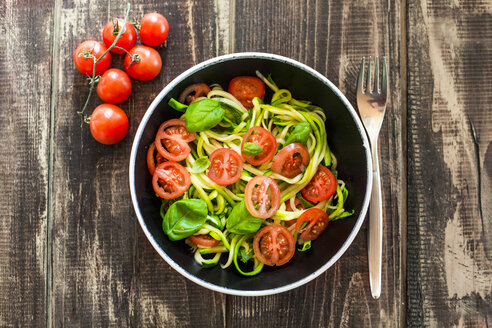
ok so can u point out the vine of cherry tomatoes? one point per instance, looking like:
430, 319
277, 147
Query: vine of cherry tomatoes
108, 122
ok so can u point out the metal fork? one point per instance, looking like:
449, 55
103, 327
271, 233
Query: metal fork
372, 106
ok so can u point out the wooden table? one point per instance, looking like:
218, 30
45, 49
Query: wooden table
73, 253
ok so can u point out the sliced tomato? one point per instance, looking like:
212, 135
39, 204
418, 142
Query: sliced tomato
203, 240
298, 204
317, 222
192, 92
322, 186
170, 180
265, 140
226, 166
262, 197
291, 160
274, 245
153, 158
245, 88
172, 140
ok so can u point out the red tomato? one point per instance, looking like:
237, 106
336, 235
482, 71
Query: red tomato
262, 197
291, 160
192, 92
109, 124
170, 180
147, 63
322, 186
274, 245
85, 64
245, 88
151, 161
298, 205
172, 140
265, 140
115, 86
318, 221
153, 29
203, 240
127, 39
226, 166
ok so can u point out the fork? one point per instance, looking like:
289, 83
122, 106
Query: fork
372, 106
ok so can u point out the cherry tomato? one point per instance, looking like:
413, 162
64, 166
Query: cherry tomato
170, 180
298, 205
85, 64
322, 186
226, 166
109, 124
291, 160
127, 39
153, 29
192, 92
203, 240
262, 197
245, 88
274, 245
265, 140
172, 140
115, 86
148, 63
318, 221
151, 160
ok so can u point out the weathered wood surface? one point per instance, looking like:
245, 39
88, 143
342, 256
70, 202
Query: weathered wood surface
73, 253
450, 174
26, 38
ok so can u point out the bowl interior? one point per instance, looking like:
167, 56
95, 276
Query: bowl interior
345, 140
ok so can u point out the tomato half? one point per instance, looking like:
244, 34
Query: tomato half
148, 63
226, 166
262, 197
127, 39
245, 88
322, 186
153, 29
153, 160
317, 222
274, 245
114, 87
170, 180
265, 140
203, 240
109, 124
172, 140
291, 160
192, 92
85, 64
298, 205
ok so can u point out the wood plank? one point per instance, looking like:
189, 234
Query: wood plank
105, 272
331, 37
25, 32
449, 180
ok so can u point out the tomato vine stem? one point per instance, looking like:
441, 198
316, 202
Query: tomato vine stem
93, 80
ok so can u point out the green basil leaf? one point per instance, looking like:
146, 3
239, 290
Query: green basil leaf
200, 165
177, 105
251, 149
304, 202
299, 134
232, 114
305, 246
241, 222
184, 218
202, 115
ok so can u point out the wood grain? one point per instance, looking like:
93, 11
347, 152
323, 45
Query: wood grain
323, 35
449, 182
26, 35
105, 272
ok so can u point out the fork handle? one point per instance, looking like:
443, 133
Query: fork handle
375, 232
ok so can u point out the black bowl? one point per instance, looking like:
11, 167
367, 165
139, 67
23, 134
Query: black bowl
347, 141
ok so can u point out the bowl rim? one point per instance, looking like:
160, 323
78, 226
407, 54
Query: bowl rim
158, 99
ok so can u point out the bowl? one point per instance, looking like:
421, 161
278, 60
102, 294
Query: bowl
347, 140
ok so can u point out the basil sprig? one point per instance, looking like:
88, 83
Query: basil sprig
202, 115
251, 149
184, 218
200, 165
299, 134
241, 222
